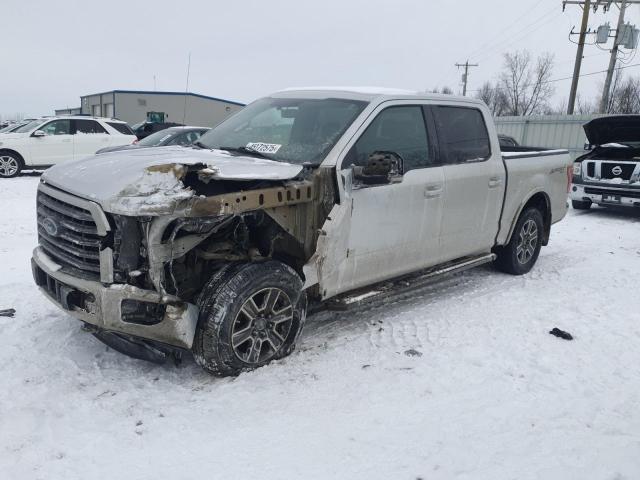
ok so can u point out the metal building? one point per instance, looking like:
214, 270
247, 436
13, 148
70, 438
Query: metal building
548, 131
68, 111
135, 106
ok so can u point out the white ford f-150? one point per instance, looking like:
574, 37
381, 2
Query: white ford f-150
306, 198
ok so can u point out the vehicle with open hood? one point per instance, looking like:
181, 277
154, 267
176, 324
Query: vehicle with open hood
609, 175
308, 198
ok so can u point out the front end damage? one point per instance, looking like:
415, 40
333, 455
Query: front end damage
132, 267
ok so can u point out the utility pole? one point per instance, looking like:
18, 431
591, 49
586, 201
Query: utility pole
612, 60
576, 68
465, 77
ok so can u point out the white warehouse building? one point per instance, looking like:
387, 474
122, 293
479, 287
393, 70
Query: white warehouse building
135, 106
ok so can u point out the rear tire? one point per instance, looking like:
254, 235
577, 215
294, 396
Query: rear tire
581, 205
250, 314
10, 165
520, 254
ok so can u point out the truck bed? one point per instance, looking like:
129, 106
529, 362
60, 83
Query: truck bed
525, 177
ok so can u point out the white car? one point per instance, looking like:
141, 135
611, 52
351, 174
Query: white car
49, 141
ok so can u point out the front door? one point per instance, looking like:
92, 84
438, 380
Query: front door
55, 146
388, 228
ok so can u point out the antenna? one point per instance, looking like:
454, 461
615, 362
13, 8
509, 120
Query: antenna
186, 91
154, 83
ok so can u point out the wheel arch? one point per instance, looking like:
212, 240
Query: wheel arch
14, 152
542, 202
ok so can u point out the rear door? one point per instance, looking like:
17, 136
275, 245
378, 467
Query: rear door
474, 179
90, 136
55, 146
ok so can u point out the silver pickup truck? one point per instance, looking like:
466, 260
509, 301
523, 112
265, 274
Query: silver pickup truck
308, 198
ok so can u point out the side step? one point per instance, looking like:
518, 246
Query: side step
404, 284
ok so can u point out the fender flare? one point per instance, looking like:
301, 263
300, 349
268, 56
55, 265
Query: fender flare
546, 215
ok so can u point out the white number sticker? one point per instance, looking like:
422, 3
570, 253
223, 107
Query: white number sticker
264, 147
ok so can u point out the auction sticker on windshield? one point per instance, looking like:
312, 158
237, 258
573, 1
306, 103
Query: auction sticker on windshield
264, 147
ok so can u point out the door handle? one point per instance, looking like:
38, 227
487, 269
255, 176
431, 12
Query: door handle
433, 191
66, 140
494, 182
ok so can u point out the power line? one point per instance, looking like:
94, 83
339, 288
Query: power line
582, 75
523, 33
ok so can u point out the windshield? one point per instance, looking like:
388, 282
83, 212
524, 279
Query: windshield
29, 126
289, 130
156, 139
8, 128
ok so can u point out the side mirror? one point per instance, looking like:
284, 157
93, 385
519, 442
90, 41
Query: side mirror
38, 133
382, 168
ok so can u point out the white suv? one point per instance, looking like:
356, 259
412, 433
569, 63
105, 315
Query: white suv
48, 141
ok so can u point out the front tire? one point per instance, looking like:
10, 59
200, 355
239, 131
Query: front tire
520, 254
10, 165
581, 205
250, 314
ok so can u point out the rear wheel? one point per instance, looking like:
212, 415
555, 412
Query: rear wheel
520, 254
581, 205
250, 314
10, 165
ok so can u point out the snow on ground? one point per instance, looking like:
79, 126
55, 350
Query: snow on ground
492, 395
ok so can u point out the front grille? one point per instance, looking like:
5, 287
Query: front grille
623, 170
69, 235
591, 169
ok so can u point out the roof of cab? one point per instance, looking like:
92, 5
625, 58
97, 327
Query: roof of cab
369, 94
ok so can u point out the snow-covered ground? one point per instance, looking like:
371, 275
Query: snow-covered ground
491, 395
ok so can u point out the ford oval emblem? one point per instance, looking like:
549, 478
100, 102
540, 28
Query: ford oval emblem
617, 170
50, 226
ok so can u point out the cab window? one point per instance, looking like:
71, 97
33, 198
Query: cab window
57, 127
398, 129
462, 134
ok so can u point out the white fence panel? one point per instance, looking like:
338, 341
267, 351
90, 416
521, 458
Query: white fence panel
547, 131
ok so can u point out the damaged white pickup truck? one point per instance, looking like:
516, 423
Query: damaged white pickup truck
309, 197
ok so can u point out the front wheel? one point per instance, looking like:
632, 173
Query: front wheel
521, 253
250, 314
10, 165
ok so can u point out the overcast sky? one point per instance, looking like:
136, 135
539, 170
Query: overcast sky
53, 52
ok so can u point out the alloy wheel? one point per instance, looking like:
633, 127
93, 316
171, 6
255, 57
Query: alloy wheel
528, 240
8, 166
262, 325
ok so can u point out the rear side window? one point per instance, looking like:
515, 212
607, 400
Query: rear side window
89, 127
463, 134
123, 128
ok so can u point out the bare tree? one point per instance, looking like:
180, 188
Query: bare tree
494, 97
526, 85
445, 90
625, 95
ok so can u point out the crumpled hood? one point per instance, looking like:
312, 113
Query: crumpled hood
147, 180
613, 129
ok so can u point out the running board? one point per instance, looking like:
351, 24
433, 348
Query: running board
404, 284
